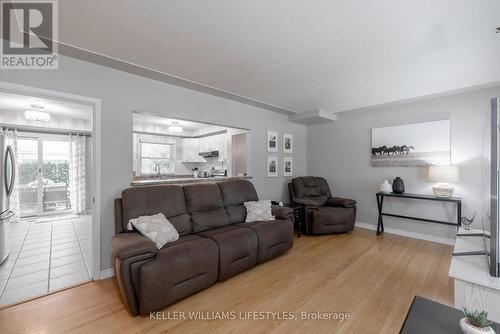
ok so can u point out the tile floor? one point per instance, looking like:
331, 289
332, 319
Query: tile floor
45, 256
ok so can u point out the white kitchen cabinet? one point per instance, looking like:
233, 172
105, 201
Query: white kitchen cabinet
222, 145
190, 150
214, 143
209, 143
203, 144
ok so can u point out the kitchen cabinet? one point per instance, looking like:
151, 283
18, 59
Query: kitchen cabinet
214, 143
190, 150
203, 144
209, 143
222, 144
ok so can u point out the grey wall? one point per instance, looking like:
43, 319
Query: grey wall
340, 151
121, 93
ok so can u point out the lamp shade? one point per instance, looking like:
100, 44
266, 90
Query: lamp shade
443, 174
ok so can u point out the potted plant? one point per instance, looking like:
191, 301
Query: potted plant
475, 322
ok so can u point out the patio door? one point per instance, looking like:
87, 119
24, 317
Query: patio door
43, 175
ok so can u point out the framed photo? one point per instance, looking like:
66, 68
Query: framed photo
287, 166
272, 141
412, 145
272, 166
287, 143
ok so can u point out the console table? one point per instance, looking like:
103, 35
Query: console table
380, 204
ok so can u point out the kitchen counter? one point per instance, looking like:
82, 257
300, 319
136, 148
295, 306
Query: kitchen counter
149, 182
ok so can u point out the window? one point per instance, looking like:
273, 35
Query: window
156, 157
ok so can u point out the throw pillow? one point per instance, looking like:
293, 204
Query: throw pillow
258, 211
156, 227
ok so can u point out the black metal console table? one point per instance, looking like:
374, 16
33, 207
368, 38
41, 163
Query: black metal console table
380, 204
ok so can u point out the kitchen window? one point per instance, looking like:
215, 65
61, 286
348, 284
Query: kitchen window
156, 158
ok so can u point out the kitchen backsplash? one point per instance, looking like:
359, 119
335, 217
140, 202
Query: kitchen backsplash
186, 167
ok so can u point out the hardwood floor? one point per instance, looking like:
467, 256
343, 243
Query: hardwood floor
374, 279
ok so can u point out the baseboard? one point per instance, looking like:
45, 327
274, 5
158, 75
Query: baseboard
409, 234
106, 273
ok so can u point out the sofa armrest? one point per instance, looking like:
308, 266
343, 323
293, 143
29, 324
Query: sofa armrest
126, 245
282, 212
341, 202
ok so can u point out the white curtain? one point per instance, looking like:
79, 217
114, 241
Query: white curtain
14, 197
77, 174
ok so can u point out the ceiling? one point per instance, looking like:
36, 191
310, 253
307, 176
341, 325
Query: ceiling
145, 119
330, 55
63, 109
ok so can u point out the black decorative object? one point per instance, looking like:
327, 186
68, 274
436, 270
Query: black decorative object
398, 186
466, 222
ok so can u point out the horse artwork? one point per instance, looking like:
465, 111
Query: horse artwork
411, 145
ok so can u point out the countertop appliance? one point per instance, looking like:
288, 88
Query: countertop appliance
218, 172
7, 177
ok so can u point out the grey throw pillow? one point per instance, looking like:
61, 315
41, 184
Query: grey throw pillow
258, 211
156, 227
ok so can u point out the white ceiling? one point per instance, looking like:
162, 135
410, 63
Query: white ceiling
145, 120
331, 55
62, 109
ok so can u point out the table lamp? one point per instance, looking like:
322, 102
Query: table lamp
444, 175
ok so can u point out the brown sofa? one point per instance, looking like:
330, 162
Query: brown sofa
215, 242
323, 213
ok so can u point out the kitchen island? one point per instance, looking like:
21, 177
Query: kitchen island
180, 180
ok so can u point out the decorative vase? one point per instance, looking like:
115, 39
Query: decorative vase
468, 328
398, 186
386, 187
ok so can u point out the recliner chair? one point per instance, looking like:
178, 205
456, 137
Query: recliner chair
323, 213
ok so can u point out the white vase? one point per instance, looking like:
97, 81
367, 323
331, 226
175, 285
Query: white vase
467, 328
386, 187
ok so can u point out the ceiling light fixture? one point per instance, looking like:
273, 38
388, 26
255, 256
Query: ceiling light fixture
37, 106
38, 116
175, 128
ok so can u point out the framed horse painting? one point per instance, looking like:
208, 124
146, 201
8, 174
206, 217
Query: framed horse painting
412, 145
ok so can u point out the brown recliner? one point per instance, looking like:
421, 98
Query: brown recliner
323, 213
215, 242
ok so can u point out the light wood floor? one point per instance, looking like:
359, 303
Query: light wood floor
374, 279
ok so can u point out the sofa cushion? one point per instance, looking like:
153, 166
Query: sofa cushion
156, 227
166, 199
180, 269
258, 211
275, 237
205, 205
234, 194
310, 186
237, 249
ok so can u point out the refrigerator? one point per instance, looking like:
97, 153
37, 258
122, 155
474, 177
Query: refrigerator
7, 177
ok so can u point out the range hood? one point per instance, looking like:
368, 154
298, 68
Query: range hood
209, 154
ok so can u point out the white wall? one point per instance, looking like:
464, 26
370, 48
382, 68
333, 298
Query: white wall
340, 151
121, 93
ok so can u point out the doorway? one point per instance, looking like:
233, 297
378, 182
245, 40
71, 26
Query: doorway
43, 164
52, 238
